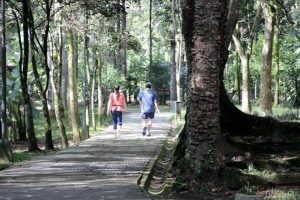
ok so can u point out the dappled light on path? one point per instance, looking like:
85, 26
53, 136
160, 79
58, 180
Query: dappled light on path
99, 168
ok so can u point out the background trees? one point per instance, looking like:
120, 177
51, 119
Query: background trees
85, 47
69, 55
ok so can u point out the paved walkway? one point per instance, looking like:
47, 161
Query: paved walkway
99, 168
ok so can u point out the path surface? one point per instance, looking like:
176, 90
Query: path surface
99, 168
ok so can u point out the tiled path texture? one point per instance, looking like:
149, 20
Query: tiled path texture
99, 168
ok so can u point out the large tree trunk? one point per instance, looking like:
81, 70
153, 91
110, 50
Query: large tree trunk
32, 141
265, 94
74, 114
204, 31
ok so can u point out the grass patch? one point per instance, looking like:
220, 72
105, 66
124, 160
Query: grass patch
264, 173
282, 194
18, 157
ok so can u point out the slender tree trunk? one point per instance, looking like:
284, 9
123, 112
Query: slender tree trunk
150, 40
178, 67
100, 96
32, 141
277, 58
117, 53
47, 125
93, 89
123, 50
237, 78
74, 114
56, 80
4, 135
245, 55
64, 88
85, 127
173, 84
21, 125
246, 106
265, 95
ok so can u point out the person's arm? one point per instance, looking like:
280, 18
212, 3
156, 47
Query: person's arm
156, 106
155, 102
108, 105
139, 99
124, 104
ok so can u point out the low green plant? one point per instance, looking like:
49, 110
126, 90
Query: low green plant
280, 194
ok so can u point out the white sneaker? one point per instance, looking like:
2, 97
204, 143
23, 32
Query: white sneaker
148, 133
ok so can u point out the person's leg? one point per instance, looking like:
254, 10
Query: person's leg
149, 123
119, 119
114, 120
144, 123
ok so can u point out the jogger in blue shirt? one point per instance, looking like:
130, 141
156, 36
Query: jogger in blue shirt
147, 99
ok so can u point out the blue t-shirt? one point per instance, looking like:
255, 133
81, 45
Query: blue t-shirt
147, 98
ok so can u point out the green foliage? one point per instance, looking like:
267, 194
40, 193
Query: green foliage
282, 194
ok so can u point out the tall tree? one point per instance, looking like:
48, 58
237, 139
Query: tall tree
124, 38
74, 114
43, 91
58, 57
100, 96
150, 38
173, 84
265, 94
85, 126
277, 56
204, 30
32, 141
4, 135
245, 55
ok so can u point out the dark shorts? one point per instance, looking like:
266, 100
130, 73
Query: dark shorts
148, 115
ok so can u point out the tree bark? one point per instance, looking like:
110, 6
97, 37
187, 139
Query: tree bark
32, 141
64, 88
265, 94
56, 80
3, 135
277, 58
204, 31
123, 47
150, 40
100, 96
21, 124
173, 84
246, 106
237, 88
48, 132
85, 127
74, 114
245, 55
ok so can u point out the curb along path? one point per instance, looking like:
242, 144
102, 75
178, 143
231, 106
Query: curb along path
99, 168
